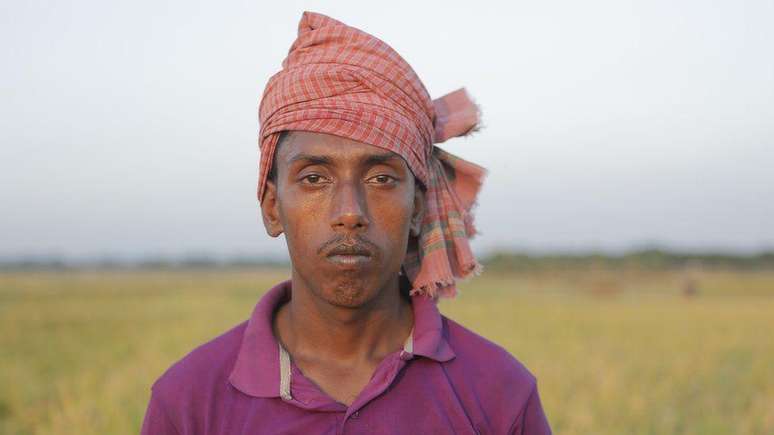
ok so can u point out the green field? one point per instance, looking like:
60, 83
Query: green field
615, 352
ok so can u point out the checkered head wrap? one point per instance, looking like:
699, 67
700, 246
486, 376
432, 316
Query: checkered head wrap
342, 81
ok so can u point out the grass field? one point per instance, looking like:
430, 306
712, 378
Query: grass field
614, 352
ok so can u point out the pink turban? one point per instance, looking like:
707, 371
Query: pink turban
340, 80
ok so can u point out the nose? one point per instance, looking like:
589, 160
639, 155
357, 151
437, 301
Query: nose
349, 209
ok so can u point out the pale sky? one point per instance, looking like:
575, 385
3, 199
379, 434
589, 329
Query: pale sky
130, 128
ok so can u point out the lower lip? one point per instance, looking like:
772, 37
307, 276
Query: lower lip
349, 260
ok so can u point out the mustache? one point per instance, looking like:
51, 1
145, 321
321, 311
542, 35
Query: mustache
347, 245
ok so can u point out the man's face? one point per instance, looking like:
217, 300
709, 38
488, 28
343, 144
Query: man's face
347, 209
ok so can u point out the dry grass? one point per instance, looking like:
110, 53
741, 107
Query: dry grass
614, 352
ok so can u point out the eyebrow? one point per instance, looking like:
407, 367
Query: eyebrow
376, 159
370, 160
309, 158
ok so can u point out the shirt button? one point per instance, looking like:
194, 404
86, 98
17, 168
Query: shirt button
355, 415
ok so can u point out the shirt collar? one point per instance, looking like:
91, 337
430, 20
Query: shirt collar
257, 368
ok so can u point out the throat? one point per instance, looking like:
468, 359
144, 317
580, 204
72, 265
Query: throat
340, 350
312, 329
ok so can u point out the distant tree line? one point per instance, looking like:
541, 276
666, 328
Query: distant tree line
504, 261
655, 259
151, 262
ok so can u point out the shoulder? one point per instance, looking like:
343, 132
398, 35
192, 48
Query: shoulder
204, 369
486, 359
496, 387
182, 395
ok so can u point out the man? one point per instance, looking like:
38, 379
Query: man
377, 224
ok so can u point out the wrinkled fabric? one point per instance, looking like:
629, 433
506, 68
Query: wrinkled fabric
342, 81
451, 381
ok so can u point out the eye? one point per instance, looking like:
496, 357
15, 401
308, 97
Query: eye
313, 179
382, 179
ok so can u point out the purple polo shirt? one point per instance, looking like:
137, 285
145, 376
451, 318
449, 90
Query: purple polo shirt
446, 379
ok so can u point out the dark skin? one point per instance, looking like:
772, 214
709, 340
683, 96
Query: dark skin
347, 210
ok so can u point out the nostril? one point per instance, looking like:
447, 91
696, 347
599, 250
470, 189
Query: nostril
350, 221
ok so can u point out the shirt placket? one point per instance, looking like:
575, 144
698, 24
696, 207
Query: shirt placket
383, 377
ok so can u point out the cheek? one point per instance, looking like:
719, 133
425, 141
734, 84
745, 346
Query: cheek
302, 217
391, 214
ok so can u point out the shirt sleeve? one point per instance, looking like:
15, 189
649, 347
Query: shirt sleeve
157, 421
532, 420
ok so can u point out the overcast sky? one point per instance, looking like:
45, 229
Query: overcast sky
130, 127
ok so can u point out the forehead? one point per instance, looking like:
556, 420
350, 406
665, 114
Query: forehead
334, 148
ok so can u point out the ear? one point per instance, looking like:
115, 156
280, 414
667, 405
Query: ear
419, 210
270, 210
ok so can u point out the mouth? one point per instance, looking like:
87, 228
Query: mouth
350, 255
349, 260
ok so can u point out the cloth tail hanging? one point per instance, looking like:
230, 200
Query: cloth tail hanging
442, 253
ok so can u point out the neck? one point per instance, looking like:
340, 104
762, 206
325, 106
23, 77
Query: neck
313, 329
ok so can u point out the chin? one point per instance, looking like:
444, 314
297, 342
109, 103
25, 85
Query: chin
350, 292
